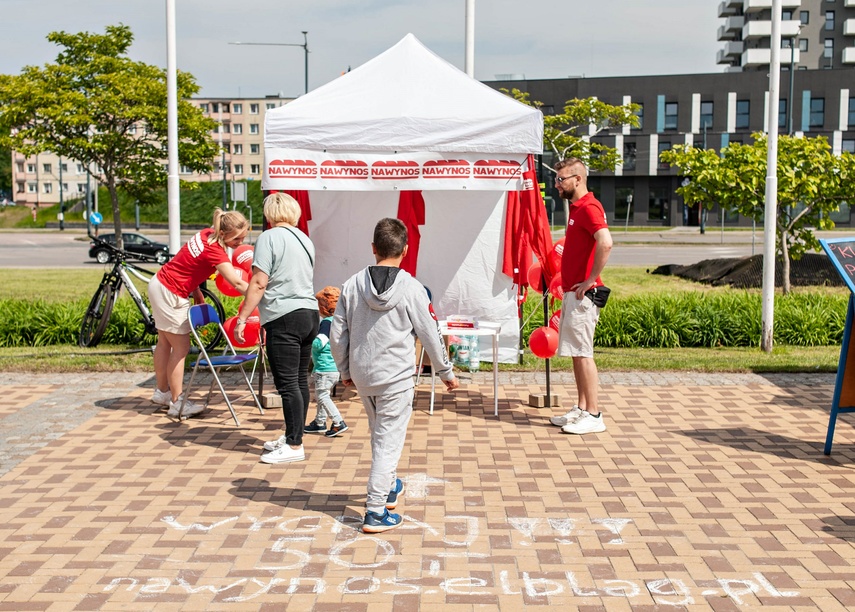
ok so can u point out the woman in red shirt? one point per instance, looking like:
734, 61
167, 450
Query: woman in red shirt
169, 293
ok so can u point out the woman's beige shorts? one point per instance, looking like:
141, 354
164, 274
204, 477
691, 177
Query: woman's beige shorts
169, 310
578, 322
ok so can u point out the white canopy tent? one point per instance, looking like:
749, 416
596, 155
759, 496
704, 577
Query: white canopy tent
407, 120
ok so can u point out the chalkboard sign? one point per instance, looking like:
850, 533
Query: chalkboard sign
841, 252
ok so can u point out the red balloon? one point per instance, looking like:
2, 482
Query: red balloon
254, 313
242, 257
556, 254
251, 331
535, 277
556, 289
543, 342
555, 320
226, 287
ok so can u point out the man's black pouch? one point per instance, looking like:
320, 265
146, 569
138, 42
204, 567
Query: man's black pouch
599, 295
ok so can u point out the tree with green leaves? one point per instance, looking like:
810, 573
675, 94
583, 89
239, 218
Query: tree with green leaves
812, 184
101, 108
569, 133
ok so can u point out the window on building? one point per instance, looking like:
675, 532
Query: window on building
851, 113
782, 113
132, 129
20, 188
254, 149
670, 115
237, 128
64, 167
254, 169
237, 108
663, 146
225, 128
743, 110
204, 107
270, 105
47, 187
46, 168
786, 15
640, 114
31, 168
238, 168
65, 187
81, 169
657, 204
215, 107
253, 128
225, 107
706, 115
20, 167
226, 147
804, 17
803, 45
238, 149
32, 188
848, 146
629, 155
828, 48
253, 109
81, 187
829, 21
185, 169
817, 112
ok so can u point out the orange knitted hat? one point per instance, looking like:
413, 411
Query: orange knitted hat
327, 300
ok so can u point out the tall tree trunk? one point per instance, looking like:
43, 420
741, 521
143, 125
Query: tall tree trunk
117, 219
785, 263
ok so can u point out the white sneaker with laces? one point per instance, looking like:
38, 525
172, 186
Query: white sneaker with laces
190, 409
284, 454
587, 423
161, 398
276, 444
570, 417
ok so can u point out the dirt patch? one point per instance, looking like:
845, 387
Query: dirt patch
747, 272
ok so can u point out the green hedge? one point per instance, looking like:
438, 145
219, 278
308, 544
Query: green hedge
690, 319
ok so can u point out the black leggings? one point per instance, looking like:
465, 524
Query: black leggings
289, 349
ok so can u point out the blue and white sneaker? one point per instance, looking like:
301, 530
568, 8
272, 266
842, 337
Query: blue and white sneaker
314, 428
392, 500
378, 523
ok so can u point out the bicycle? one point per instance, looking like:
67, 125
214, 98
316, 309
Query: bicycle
100, 308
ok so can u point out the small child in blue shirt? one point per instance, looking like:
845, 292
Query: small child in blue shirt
325, 373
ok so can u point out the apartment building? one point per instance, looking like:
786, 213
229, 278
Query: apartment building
46, 178
815, 34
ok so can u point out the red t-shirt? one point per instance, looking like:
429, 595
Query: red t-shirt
586, 218
193, 264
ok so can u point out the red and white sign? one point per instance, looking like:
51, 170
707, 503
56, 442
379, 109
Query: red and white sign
319, 170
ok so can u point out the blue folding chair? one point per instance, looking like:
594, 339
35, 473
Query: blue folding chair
200, 316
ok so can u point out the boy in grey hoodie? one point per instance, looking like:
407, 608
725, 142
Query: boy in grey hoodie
380, 312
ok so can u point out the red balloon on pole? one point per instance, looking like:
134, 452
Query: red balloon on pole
543, 342
226, 287
555, 320
242, 257
535, 277
556, 289
556, 254
251, 331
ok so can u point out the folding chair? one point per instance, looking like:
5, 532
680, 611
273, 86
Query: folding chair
201, 315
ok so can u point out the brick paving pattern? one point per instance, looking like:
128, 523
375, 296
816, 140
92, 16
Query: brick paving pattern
705, 492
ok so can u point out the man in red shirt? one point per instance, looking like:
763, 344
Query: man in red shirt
587, 246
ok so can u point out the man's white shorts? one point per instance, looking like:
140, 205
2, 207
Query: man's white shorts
169, 310
576, 329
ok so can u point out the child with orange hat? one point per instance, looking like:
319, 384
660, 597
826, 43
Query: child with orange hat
325, 373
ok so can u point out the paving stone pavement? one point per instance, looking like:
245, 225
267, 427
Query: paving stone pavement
705, 492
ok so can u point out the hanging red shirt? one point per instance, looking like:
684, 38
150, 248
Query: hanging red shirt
193, 264
586, 218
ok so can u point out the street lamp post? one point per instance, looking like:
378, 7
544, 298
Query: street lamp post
792, 71
305, 47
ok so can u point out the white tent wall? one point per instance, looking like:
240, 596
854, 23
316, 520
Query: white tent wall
460, 254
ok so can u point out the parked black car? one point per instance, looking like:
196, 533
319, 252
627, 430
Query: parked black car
137, 245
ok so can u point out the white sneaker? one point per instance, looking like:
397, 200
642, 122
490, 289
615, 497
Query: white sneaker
190, 409
587, 423
161, 398
570, 417
284, 454
276, 444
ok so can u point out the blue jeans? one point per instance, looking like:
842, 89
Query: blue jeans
324, 382
289, 349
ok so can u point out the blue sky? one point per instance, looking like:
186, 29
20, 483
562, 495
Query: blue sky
534, 38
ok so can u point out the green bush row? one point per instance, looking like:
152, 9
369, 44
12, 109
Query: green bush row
690, 319
695, 319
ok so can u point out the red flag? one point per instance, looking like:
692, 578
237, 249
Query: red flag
411, 210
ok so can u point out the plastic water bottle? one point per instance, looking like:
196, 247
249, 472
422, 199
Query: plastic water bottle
474, 354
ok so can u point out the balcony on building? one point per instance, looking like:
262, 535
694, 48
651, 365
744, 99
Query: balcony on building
752, 58
730, 53
729, 8
849, 55
849, 27
849, 3
730, 29
754, 6
763, 29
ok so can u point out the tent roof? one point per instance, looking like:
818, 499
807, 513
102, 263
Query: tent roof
406, 99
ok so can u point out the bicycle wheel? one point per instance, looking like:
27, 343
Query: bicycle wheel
212, 336
97, 317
